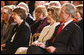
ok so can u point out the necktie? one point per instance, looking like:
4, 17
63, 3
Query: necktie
59, 29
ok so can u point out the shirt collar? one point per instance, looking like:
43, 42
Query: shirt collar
55, 24
68, 22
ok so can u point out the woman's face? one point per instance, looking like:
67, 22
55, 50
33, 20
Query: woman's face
38, 15
49, 17
5, 16
16, 17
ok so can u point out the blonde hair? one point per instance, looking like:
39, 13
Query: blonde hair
56, 11
42, 9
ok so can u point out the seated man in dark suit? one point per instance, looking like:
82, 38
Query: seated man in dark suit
21, 36
65, 41
7, 24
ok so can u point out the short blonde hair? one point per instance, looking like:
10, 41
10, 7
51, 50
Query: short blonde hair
42, 9
56, 11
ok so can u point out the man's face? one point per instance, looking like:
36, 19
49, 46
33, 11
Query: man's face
63, 14
5, 16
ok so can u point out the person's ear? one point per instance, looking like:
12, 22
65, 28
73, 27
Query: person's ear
69, 15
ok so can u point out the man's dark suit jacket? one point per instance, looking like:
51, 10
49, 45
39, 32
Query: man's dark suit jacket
21, 39
69, 41
80, 23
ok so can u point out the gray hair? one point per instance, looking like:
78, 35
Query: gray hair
70, 9
8, 8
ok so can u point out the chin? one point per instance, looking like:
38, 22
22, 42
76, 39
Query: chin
48, 21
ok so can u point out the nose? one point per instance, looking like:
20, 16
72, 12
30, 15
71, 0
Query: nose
48, 17
2, 17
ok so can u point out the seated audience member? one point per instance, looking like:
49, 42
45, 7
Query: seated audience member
29, 18
52, 19
40, 14
6, 23
54, 3
79, 15
21, 36
68, 38
47, 32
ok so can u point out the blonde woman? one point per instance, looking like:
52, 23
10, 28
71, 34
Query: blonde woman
47, 32
53, 20
40, 14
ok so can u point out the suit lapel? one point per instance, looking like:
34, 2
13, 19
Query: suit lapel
66, 29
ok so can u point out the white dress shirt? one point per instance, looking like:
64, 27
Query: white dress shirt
65, 24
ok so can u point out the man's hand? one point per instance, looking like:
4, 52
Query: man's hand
51, 49
2, 45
